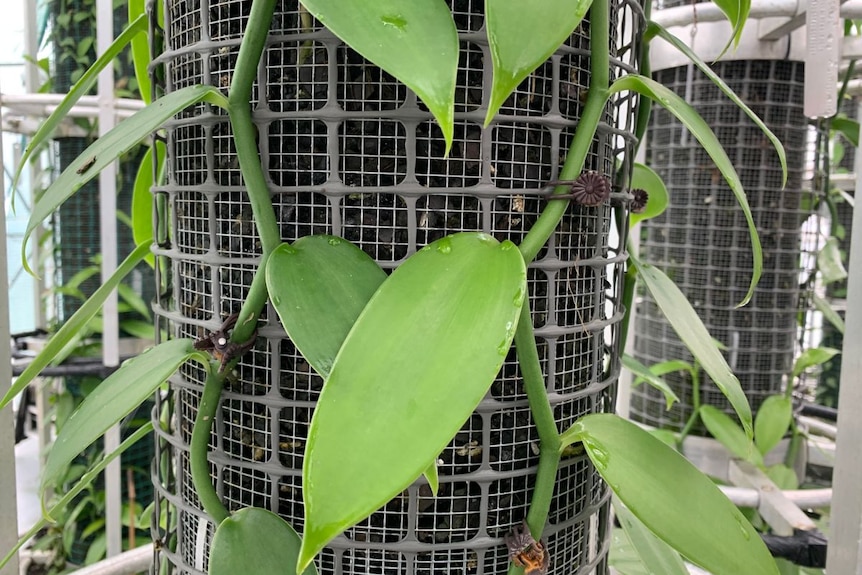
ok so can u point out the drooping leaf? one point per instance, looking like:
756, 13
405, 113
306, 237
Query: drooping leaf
729, 434
829, 262
74, 325
704, 134
656, 555
81, 87
849, 128
320, 280
828, 312
654, 29
644, 372
142, 198
645, 178
433, 477
117, 396
418, 360
811, 357
737, 14
140, 52
665, 367
691, 331
414, 41
522, 35
111, 146
254, 540
772, 422
671, 496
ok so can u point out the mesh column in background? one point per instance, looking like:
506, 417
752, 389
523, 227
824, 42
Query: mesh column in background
702, 240
351, 152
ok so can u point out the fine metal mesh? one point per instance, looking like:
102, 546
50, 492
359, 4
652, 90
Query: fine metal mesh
350, 152
702, 240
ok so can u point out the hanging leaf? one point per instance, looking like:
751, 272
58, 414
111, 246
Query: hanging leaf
849, 128
141, 52
142, 198
414, 41
704, 134
656, 555
729, 434
116, 397
522, 35
433, 477
829, 262
111, 146
254, 540
671, 496
737, 14
419, 359
811, 357
644, 373
645, 178
772, 422
828, 312
320, 280
691, 331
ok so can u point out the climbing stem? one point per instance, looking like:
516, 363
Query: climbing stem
200, 445
695, 407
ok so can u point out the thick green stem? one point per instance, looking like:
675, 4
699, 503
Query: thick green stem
200, 445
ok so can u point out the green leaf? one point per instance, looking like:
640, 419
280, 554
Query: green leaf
671, 496
645, 178
142, 198
848, 127
828, 312
729, 434
432, 477
644, 372
656, 555
74, 325
141, 52
133, 300
654, 29
255, 540
811, 357
117, 396
829, 262
704, 134
772, 422
665, 367
111, 146
419, 359
782, 476
737, 13
414, 41
320, 280
81, 87
691, 331
522, 35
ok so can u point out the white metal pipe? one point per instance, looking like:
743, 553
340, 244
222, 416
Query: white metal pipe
134, 561
709, 12
43, 104
803, 498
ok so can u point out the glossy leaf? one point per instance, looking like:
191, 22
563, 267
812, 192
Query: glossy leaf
522, 35
704, 134
74, 325
737, 13
81, 87
141, 52
645, 178
729, 434
420, 357
644, 373
829, 314
811, 357
671, 496
111, 146
655, 554
848, 127
654, 29
772, 422
142, 198
830, 263
690, 329
115, 397
320, 280
414, 41
254, 540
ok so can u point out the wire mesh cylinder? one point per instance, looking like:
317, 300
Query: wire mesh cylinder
702, 240
351, 152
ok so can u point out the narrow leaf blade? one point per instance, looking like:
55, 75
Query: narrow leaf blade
645, 178
643, 371
141, 52
320, 280
417, 362
142, 198
729, 434
828, 312
772, 422
672, 497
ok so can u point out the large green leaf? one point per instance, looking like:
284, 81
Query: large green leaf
522, 35
644, 373
704, 134
848, 127
81, 87
811, 357
75, 324
117, 396
142, 198
772, 422
320, 280
830, 263
694, 335
419, 359
414, 41
255, 540
729, 434
111, 146
655, 554
645, 178
671, 496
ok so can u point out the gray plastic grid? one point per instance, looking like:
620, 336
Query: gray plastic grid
702, 240
351, 152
